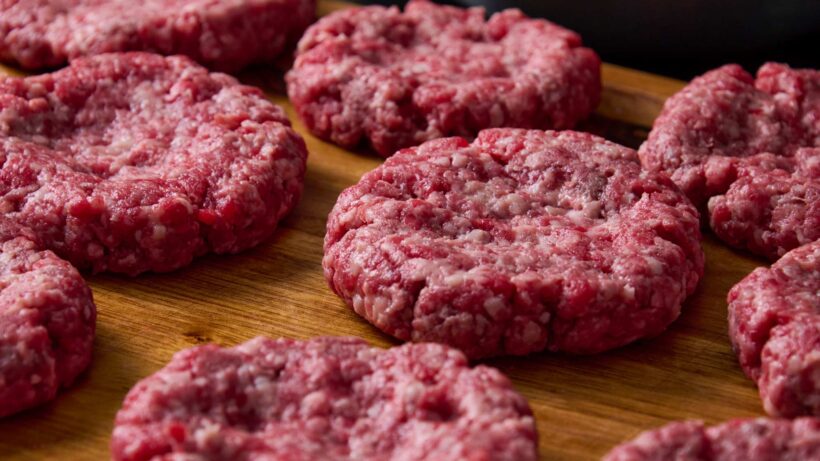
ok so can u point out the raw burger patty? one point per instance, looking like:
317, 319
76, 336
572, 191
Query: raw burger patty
377, 76
133, 162
520, 241
223, 34
774, 324
328, 398
47, 321
749, 151
760, 439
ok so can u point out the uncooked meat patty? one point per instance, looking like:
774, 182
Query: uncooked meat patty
327, 398
223, 34
390, 79
133, 162
774, 324
520, 241
753, 147
760, 439
47, 321
772, 206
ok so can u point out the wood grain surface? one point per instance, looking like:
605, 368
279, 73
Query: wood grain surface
583, 405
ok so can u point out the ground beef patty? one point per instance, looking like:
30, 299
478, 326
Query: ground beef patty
752, 147
774, 324
47, 321
389, 79
772, 206
760, 439
520, 241
134, 162
327, 398
222, 34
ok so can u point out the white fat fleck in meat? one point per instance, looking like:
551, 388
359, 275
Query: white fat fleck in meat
494, 305
478, 235
315, 403
510, 205
628, 292
418, 269
655, 266
159, 232
441, 161
460, 160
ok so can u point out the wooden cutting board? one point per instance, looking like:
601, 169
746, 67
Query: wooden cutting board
583, 405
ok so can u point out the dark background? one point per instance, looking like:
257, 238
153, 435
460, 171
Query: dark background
682, 38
